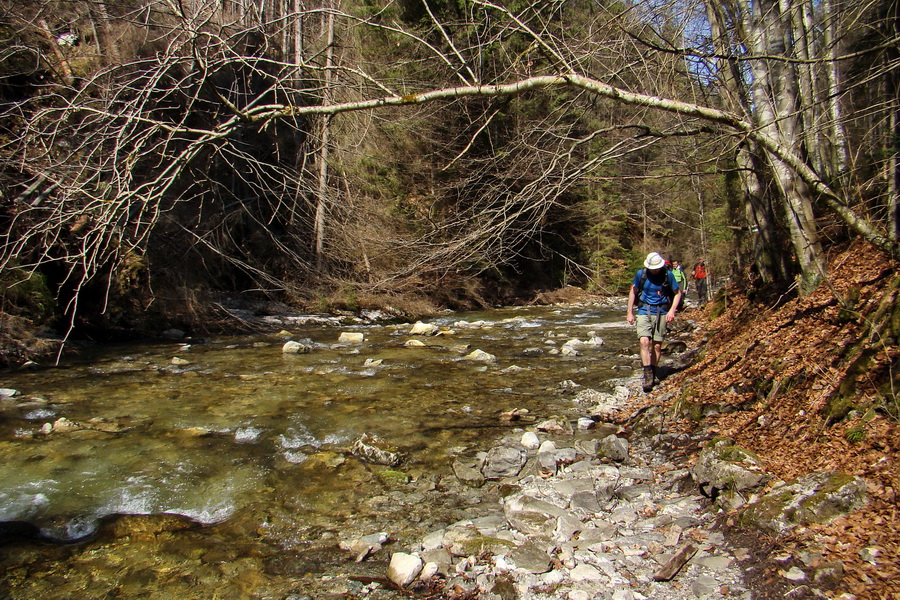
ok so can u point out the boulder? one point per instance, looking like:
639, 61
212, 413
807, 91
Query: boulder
723, 466
404, 568
420, 328
819, 497
504, 461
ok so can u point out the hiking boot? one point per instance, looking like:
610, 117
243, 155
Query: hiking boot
655, 376
648, 379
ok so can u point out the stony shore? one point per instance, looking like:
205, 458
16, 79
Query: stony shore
589, 510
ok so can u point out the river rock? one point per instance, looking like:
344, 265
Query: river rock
404, 568
530, 440
480, 355
724, 466
530, 557
531, 515
556, 425
614, 448
371, 448
7, 393
503, 461
351, 337
439, 557
297, 347
819, 497
362, 547
585, 572
469, 541
420, 328
468, 470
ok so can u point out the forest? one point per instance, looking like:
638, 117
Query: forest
170, 163
159, 156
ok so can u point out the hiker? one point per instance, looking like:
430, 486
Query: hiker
656, 293
681, 278
700, 274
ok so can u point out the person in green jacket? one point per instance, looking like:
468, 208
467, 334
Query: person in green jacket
681, 278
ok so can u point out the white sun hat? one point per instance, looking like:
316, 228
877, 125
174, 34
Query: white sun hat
654, 261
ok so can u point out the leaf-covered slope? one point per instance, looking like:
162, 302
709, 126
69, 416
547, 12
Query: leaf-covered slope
811, 385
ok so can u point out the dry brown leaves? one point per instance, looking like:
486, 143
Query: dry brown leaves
788, 362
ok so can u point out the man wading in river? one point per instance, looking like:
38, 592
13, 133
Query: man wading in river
657, 294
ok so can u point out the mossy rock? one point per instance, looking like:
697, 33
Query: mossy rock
815, 498
393, 478
725, 466
479, 544
26, 294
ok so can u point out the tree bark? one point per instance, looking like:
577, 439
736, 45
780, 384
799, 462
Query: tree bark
322, 189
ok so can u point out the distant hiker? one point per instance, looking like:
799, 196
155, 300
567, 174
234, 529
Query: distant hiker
681, 278
655, 292
699, 274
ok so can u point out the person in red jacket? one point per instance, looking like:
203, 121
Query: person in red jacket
700, 274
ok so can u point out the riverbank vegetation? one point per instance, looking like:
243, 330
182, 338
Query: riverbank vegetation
157, 158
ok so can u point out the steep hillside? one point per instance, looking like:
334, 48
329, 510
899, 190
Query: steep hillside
811, 385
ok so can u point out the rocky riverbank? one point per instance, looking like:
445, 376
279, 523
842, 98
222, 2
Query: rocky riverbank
613, 515
612, 502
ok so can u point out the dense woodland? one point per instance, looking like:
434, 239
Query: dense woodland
159, 156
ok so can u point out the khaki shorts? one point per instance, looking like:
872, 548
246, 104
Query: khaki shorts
651, 326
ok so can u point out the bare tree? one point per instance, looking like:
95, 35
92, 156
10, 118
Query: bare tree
205, 134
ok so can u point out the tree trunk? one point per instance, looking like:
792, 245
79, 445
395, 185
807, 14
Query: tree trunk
777, 117
322, 189
893, 146
768, 255
840, 155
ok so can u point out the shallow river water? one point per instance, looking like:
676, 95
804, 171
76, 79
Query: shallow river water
220, 468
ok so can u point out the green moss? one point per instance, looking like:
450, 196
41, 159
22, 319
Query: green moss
483, 543
848, 308
719, 305
390, 478
26, 294
734, 454
815, 498
767, 510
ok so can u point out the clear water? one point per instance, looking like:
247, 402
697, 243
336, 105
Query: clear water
250, 446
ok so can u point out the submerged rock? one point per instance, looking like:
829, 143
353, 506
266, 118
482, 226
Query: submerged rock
373, 449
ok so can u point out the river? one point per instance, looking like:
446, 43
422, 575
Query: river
219, 468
